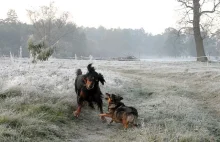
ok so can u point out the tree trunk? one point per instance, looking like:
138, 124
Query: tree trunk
197, 34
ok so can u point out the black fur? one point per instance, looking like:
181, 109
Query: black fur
93, 95
127, 109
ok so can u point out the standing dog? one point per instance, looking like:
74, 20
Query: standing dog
87, 89
119, 112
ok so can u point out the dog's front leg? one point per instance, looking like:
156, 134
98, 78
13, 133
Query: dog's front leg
103, 118
105, 115
78, 110
101, 109
80, 103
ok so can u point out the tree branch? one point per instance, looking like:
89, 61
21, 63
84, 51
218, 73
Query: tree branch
183, 28
185, 3
186, 16
213, 10
203, 2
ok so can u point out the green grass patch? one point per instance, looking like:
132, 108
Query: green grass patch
10, 121
51, 113
42, 131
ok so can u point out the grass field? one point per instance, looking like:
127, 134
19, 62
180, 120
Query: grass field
177, 101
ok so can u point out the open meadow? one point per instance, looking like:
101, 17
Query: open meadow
176, 101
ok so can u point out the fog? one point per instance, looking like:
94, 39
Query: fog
149, 36
145, 50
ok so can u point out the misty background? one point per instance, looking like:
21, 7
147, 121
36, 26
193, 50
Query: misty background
100, 42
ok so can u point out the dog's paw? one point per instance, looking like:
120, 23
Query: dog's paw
76, 113
110, 124
125, 129
104, 120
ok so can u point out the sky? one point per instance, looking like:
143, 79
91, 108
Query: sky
152, 15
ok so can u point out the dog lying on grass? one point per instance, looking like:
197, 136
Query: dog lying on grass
119, 112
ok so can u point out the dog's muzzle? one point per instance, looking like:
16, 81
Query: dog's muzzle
89, 88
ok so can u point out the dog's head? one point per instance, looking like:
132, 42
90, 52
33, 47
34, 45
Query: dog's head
113, 99
92, 78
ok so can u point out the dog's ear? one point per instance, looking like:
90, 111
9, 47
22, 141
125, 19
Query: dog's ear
101, 78
107, 94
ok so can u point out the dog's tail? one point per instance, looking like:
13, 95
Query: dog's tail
90, 68
78, 72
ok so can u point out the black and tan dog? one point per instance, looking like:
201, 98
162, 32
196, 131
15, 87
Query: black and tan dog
119, 112
87, 89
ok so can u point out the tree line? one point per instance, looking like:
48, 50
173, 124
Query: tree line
64, 39
102, 42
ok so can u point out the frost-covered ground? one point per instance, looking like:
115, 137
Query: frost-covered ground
177, 101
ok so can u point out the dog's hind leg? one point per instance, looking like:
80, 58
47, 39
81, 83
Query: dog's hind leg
135, 123
125, 120
125, 123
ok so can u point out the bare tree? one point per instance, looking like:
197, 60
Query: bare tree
11, 16
195, 10
174, 42
49, 28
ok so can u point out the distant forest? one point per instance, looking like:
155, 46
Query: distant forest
102, 42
